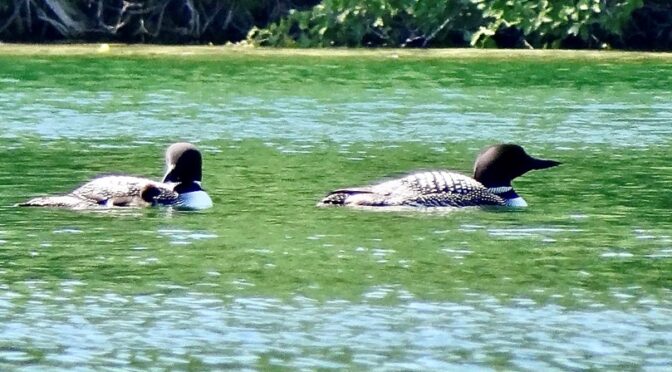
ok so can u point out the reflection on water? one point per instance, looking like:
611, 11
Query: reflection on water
183, 237
382, 117
193, 329
384, 100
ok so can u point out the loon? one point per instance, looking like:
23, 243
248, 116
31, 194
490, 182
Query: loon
180, 187
495, 168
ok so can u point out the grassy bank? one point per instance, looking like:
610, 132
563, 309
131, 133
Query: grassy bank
144, 50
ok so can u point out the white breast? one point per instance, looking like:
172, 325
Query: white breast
516, 202
195, 200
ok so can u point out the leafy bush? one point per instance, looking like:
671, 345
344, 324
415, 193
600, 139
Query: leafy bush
537, 23
634, 24
547, 23
374, 23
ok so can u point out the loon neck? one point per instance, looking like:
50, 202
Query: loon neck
511, 198
186, 187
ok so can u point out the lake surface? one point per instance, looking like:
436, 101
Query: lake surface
580, 279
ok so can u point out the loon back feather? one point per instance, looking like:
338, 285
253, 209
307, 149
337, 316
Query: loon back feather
62, 201
429, 189
110, 191
125, 191
494, 170
181, 187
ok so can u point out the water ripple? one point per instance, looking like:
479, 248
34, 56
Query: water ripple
55, 114
171, 331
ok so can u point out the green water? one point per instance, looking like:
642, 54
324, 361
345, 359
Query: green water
580, 279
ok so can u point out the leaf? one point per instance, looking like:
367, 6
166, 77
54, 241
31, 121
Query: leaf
482, 31
379, 22
574, 30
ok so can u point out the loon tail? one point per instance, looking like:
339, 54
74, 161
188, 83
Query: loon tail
353, 196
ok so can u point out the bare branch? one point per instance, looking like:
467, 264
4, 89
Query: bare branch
17, 9
433, 34
29, 19
159, 23
194, 16
209, 20
42, 15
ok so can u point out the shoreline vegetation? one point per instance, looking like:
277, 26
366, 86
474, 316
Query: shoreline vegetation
525, 24
233, 51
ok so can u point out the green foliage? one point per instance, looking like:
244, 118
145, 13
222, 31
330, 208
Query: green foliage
541, 23
548, 22
372, 23
314, 23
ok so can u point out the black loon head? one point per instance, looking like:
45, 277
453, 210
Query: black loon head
498, 165
183, 163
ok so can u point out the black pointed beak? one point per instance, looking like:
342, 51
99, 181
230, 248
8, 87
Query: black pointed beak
543, 164
170, 176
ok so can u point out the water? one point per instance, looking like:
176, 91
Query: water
581, 279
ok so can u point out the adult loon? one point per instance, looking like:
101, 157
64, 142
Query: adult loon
495, 168
181, 187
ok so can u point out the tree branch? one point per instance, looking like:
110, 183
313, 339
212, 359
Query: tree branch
159, 23
194, 18
122, 17
17, 9
209, 20
29, 18
435, 32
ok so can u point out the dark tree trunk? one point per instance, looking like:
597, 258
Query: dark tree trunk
155, 21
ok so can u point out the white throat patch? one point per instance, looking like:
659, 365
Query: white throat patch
518, 201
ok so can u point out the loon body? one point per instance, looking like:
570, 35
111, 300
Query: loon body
110, 191
494, 170
180, 187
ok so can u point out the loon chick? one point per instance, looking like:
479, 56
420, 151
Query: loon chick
181, 187
494, 170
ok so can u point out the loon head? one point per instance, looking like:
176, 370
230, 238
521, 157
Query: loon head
498, 165
183, 163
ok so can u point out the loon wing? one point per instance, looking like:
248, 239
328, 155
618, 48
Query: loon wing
429, 189
434, 182
438, 189
125, 191
469, 199
111, 191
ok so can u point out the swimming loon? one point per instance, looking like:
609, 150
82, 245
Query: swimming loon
180, 187
495, 168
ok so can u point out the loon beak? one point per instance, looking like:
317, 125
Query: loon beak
543, 164
170, 175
